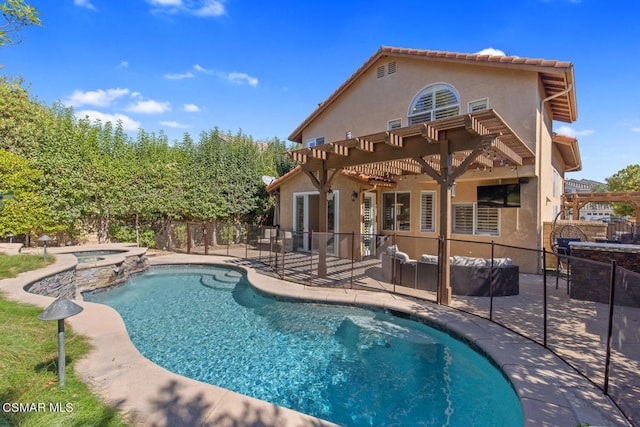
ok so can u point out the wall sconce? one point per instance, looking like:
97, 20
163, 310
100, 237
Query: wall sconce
330, 195
453, 190
354, 196
348, 135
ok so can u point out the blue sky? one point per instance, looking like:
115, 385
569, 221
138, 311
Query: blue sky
261, 66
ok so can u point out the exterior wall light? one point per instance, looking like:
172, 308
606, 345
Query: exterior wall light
330, 194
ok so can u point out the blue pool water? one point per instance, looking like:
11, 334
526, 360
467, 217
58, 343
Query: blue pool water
348, 365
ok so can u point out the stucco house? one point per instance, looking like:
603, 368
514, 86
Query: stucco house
410, 141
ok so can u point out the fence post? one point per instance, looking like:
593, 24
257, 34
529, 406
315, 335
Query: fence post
612, 294
188, 238
206, 238
310, 259
284, 245
353, 238
544, 297
393, 261
491, 282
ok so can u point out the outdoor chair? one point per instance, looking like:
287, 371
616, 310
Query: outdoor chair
562, 250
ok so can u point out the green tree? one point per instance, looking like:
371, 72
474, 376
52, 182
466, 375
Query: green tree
625, 180
27, 212
17, 14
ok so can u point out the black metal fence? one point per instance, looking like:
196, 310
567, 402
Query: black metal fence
586, 312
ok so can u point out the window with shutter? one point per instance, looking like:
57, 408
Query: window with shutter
469, 218
479, 105
427, 211
380, 72
435, 102
487, 220
394, 124
462, 218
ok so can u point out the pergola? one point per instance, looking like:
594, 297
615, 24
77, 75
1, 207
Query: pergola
577, 201
443, 149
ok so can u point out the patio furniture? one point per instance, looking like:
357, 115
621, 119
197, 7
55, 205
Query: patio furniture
469, 276
272, 238
560, 239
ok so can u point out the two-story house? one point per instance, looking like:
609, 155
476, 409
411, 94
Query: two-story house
422, 143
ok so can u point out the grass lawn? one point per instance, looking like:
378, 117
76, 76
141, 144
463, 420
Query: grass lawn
29, 391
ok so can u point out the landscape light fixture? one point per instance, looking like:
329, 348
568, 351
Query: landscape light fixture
45, 239
10, 236
59, 310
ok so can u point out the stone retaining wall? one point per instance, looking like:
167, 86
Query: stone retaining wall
88, 278
61, 284
101, 277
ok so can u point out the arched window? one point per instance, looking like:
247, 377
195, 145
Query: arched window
434, 102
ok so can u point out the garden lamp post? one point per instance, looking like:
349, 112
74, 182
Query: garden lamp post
45, 239
10, 236
59, 310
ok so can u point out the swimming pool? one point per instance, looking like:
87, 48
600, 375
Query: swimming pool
344, 364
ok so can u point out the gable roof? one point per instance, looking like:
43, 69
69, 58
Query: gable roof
569, 151
555, 76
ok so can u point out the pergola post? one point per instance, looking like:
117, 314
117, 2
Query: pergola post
444, 273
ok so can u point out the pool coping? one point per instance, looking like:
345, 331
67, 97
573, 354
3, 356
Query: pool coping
551, 392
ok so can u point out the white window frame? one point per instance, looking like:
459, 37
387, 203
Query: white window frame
395, 214
391, 124
428, 115
429, 228
474, 231
478, 102
313, 142
556, 183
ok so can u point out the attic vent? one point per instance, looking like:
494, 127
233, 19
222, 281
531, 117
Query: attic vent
380, 71
479, 105
391, 67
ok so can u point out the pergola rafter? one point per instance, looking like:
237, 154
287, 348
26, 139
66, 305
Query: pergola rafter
443, 149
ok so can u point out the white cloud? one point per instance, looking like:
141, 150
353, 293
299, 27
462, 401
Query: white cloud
566, 130
97, 98
149, 107
124, 64
191, 108
175, 125
201, 69
128, 123
204, 8
492, 52
241, 78
635, 129
85, 4
180, 76
210, 8
165, 2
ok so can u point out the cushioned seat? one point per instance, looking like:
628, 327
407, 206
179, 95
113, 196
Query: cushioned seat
469, 276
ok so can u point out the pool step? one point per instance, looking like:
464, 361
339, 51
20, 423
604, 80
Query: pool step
214, 280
